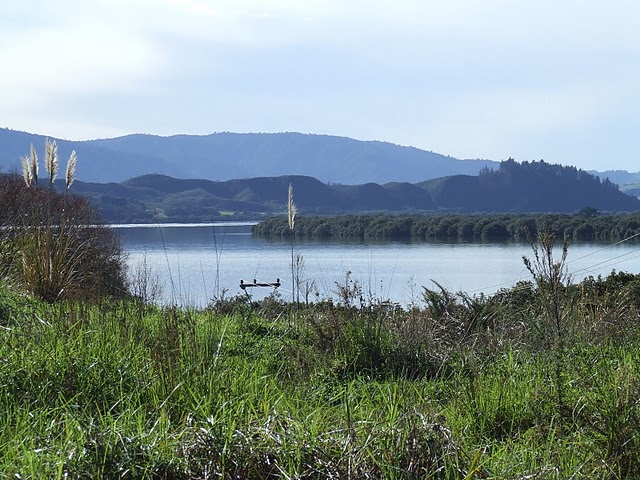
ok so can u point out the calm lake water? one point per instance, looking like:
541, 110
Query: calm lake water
195, 263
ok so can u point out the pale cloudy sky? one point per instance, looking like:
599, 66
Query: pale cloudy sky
548, 79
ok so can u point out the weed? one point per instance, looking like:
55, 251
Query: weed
291, 217
144, 283
551, 278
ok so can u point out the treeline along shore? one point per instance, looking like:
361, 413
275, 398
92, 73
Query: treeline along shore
586, 225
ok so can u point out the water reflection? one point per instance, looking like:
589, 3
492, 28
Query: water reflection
196, 263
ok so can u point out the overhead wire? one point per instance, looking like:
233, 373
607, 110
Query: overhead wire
605, 248
589, 269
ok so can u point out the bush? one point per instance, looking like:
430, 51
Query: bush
55, 246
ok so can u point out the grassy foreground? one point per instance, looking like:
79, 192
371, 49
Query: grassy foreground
457, 388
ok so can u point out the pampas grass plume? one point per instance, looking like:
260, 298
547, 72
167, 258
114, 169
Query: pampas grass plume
34, 165
71, 169
51, 159
30, 167
26, 170
291, 209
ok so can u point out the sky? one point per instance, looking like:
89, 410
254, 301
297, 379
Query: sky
556, 80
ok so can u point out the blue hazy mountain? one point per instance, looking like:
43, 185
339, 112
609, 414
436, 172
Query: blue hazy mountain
227, 156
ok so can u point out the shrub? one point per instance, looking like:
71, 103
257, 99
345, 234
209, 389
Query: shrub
59, 247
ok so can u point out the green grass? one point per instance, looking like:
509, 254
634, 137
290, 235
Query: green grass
123, 390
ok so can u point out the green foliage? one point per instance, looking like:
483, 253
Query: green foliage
552, 279
511, 227
462, 387
50, 262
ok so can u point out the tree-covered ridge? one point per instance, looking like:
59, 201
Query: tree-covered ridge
513, 187
557, 175
585, 225
528, 187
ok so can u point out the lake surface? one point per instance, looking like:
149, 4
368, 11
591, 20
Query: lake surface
195, 263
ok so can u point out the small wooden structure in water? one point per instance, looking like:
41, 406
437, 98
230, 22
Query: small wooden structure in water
255, 283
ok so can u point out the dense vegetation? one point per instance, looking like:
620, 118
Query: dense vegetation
54, 245
529, 187
506, 386
584, 225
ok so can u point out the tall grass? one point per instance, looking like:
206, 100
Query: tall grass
347, 391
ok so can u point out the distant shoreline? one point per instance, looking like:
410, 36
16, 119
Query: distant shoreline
176, 225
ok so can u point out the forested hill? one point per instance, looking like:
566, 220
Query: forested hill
512, 187
528, 187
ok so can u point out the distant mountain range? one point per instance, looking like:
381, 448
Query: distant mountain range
227, 156
512, 187
146, 178
619, 177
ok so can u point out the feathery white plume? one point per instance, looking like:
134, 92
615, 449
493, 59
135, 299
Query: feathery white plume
71, 169
34, 165
51, 159
26, 170
291, 209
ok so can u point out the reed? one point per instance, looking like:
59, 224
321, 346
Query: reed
291, 218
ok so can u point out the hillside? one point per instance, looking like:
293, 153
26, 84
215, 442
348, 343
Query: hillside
528, 187
331, 159
97, 164
513, 187
151, 198
226, 156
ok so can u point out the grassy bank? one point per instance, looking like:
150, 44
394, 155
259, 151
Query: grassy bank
458, 387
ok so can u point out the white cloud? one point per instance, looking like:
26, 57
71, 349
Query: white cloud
79, 57
461, 77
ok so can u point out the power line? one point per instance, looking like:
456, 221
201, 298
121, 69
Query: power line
605, 248
588, 269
